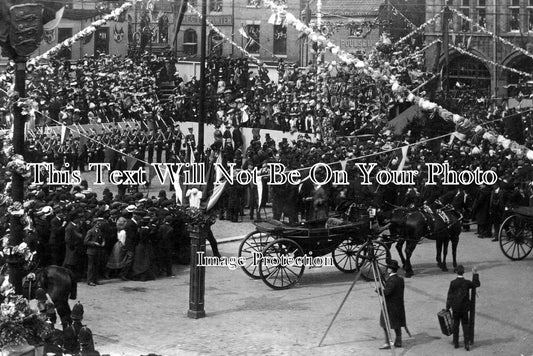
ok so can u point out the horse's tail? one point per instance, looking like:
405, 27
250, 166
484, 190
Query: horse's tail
73, 285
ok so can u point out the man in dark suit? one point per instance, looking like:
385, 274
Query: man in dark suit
459, 301
393, 293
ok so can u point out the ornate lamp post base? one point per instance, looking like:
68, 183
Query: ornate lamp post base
197, 277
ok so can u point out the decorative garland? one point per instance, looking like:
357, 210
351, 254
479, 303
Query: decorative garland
318, 13
415, 54
395, 11
496, 37
463, 51
83, 33
224, 37
463, 124
419, 28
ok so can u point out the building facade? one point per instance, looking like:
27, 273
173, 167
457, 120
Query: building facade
509, 19
354, 25
151, 26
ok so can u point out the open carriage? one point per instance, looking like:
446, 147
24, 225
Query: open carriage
278, 252
516, 233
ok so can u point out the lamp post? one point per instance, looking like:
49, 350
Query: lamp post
21, 33
198, 234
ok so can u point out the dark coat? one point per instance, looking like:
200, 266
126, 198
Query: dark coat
481, 208
393, 291
132, 231
74, 244
459, 294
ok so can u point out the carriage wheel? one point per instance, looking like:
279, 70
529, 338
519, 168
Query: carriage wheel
381, 255
345, 256
516, 238
275, 273
250, 248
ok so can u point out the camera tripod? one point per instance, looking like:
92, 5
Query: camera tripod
367, 255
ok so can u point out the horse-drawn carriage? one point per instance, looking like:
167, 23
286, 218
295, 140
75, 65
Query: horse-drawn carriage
278, 252
516, 233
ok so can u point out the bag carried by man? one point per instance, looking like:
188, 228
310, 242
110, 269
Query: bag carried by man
445, 321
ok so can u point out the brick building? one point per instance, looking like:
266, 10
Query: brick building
509, 19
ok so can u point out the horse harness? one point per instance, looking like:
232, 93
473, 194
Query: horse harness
429, 216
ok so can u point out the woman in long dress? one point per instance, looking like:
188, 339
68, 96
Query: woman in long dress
115, 262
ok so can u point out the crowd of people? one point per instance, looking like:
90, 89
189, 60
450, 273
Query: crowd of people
341, 112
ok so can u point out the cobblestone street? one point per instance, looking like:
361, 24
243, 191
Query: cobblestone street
245, 317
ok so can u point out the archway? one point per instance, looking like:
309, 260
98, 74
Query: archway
468, 72
517, 83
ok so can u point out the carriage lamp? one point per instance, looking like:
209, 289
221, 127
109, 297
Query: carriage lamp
372, 212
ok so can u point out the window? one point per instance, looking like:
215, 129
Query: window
530, 15
252, 44
63, 34
481, 13
280, 40
215, 44
215, 5
514, 11
465, 9
254, 3
190, 42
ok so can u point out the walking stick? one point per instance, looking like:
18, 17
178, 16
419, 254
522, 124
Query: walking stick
340, 307
379, 287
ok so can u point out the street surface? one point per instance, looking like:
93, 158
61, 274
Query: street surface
245, 317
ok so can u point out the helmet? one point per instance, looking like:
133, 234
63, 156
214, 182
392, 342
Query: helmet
77, 312
85, 336
40, 295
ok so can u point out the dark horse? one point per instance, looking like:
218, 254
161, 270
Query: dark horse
58, 282
411, 225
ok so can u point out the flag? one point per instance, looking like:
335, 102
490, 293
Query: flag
259, 192
218, 172
243, 33
109, 155
178, 189
130, 162
211, 192
245, 116
150, 173
469, 43
405, 149
55, 21
64, 131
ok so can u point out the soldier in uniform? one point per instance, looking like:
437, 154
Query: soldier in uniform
150, 142
159, 144
190, 140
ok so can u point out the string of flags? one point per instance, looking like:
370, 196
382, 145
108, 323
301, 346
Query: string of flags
463, 124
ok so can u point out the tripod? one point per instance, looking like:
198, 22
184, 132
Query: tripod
370, 257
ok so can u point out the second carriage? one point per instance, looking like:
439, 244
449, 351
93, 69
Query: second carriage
270, 249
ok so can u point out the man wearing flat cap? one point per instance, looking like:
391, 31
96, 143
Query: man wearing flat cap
393, 293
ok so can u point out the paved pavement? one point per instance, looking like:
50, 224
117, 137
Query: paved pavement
245, 317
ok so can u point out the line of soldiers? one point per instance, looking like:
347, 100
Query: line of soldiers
149, 145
